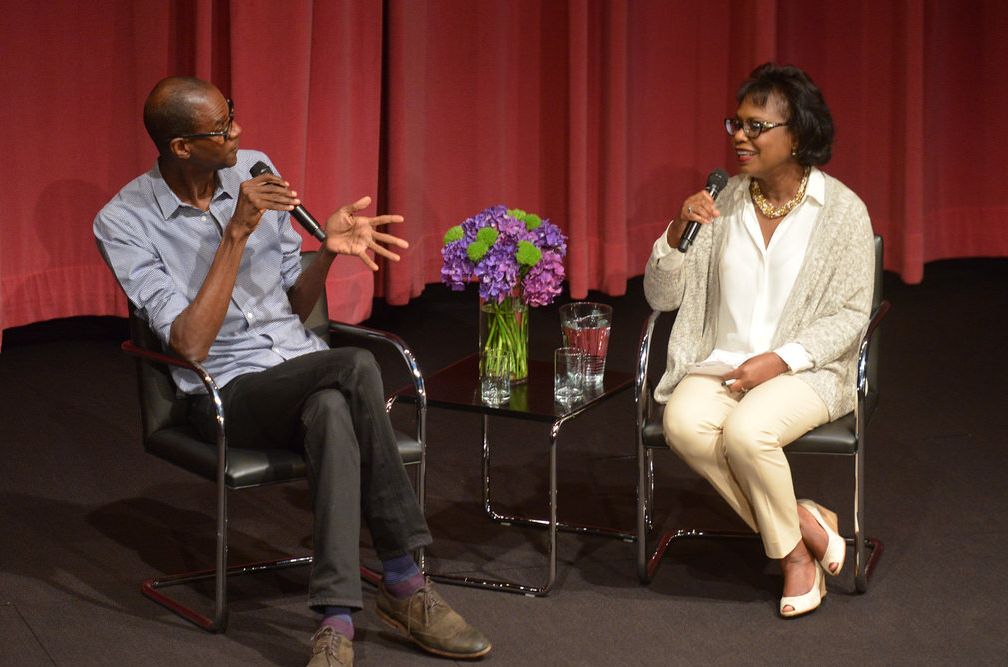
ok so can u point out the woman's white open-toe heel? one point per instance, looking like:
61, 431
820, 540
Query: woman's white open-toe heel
836, 547
803, 604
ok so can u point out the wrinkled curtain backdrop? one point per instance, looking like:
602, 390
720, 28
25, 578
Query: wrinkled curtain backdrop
601, 115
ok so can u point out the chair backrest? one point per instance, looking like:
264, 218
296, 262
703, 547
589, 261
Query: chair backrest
873, 348
159, 405
318, 319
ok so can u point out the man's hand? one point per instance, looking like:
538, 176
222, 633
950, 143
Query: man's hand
754, 371
256, 196
350, 234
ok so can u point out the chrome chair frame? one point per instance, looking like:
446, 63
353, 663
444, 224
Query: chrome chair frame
413, 450
845, 436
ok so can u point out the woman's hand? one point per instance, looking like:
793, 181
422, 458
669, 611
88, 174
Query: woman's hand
754, 372
700, 207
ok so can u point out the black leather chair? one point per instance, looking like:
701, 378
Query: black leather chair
843, 437
167, 434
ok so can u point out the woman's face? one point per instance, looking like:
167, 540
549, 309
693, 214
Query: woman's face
768, 154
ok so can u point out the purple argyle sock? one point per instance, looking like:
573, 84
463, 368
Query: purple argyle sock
401, 576
338, 618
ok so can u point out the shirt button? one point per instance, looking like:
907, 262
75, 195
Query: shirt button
248, 315
203, 218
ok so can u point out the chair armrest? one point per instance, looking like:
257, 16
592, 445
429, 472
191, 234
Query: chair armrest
641, 389
134, 350
397, 343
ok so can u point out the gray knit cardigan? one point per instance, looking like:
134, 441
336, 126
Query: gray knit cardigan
826, 312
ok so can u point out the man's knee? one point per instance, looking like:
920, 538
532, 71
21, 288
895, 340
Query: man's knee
328, 424
362, 365
325, 404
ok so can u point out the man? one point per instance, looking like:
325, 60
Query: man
209, 258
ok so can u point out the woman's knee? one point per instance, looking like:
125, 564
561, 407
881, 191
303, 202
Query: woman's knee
746, 440
684, 434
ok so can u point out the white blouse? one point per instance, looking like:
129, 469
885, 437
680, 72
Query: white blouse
756, 279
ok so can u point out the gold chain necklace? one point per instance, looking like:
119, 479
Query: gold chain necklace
768, 209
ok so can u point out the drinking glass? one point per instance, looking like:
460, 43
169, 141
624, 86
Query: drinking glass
495, 376
568, 375
586, 326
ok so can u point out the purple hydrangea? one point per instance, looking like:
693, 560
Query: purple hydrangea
498, 271
549, 235
456, 268
543, 282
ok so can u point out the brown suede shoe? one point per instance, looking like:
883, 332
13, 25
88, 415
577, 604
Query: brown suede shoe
331, 649
427, 620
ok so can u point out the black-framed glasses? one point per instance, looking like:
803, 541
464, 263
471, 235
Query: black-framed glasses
225, 133
751, 128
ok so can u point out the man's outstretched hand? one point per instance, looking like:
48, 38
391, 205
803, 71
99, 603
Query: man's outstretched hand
348, 233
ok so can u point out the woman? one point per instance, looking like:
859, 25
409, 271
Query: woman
773, 296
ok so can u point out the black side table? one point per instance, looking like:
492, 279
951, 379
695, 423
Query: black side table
456, 387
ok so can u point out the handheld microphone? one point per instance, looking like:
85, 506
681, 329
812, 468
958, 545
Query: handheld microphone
715, 184
299, 212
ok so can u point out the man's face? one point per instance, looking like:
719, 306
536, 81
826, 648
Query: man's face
213, 114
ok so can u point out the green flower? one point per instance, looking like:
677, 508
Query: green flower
532, 221
487, 236
527, 254
453, 234
476, 250
516, 213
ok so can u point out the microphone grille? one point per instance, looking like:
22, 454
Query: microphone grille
260, 167
717, 179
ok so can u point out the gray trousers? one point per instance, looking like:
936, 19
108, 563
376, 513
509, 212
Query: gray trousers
331, 406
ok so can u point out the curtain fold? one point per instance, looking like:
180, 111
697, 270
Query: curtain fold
599, 114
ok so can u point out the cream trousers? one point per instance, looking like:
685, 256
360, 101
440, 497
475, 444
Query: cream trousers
737, 445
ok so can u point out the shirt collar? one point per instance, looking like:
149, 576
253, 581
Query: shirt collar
816, 188
168, 202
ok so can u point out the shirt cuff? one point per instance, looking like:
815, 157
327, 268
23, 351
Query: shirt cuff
795, 356
664, 256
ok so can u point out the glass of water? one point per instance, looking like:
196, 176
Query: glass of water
586, 326
495, 376
568, 375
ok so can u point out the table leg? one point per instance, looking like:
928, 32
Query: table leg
512, 519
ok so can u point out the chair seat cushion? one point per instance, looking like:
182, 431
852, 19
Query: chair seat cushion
836, 437
246, 467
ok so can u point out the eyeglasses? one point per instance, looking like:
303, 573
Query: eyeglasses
751, 128
225, 133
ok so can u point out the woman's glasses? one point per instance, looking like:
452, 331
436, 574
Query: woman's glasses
751, 128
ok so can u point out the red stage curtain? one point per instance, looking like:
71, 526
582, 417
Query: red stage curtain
599, 114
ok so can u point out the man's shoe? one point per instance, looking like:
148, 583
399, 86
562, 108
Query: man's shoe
427, 620
331, 649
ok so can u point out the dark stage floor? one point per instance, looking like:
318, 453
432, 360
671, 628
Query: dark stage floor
86, 515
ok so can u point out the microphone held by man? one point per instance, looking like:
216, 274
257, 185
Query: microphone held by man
300, 213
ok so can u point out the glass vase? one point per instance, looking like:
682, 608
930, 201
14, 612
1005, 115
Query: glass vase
504, 327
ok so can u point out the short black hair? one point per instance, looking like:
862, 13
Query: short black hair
169, 112
808, 117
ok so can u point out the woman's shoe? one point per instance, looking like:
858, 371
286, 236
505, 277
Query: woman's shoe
836, 547
803, 604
